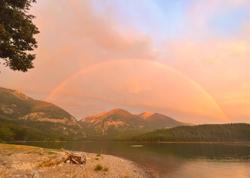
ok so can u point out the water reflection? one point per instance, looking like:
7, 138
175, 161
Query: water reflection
177, 160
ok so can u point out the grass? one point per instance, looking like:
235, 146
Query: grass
98, 156
98, 167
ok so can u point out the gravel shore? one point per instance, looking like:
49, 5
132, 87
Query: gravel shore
26, 161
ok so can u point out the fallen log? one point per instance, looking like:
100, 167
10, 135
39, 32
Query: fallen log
74, 158
68, 157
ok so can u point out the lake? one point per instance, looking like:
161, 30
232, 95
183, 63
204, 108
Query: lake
173, 160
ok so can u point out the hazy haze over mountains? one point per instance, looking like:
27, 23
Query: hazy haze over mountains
119, 123
24, 118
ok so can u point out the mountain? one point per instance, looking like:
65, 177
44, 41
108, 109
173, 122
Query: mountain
119, 123
156, 121
24, 118
16, 105
237, 132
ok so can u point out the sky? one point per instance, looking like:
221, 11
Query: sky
186, 59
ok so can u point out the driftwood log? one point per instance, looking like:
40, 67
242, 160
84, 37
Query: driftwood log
74, 158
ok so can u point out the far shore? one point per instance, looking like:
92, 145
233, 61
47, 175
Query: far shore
135, 142
29, 161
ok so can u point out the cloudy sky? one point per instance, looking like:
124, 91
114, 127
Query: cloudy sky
187, 59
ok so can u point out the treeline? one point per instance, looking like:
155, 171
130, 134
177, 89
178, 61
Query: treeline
22, 130
199, 133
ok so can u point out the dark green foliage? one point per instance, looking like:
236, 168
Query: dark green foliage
17, 34
200, 133
112, 133
98, 167
22, 130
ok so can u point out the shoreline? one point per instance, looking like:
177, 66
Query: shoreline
30, 161
133, 142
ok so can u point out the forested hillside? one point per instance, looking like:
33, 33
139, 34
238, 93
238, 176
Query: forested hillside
199, 133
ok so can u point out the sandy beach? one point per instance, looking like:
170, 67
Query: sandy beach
26, 161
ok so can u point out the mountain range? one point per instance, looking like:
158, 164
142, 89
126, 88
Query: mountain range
119, 123
24, 118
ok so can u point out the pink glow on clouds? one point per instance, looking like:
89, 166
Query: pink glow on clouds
74, 37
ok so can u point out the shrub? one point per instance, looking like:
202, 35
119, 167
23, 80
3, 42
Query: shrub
98, 167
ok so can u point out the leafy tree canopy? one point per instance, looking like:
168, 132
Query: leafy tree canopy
17, 34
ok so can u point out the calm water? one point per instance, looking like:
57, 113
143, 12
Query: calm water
174, 160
